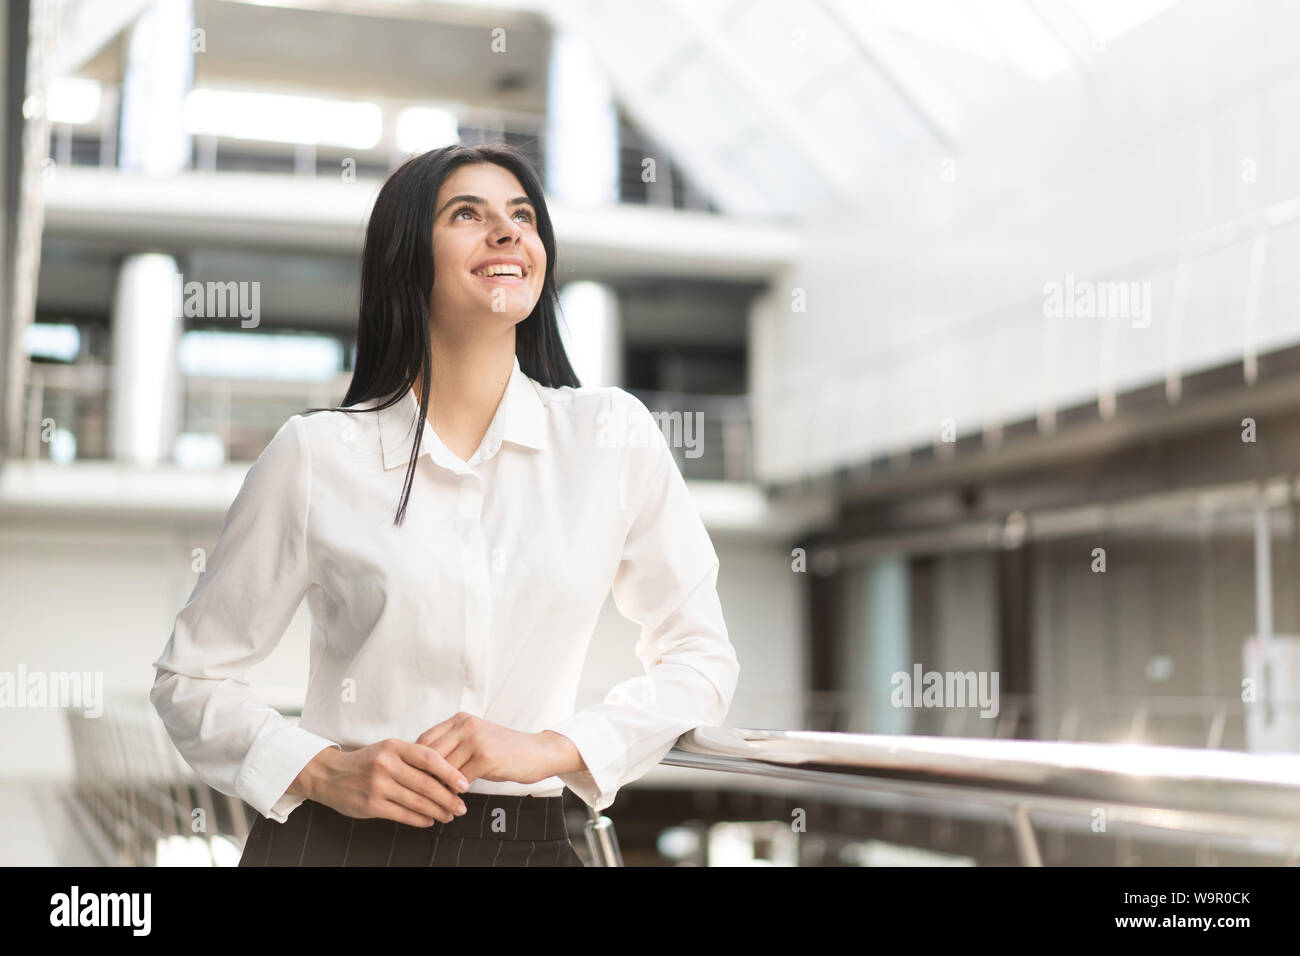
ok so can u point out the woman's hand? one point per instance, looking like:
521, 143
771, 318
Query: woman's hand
391, 780
480, 748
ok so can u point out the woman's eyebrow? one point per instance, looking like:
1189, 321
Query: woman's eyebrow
479, 201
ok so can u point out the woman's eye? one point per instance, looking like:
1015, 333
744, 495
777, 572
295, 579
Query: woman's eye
467, 209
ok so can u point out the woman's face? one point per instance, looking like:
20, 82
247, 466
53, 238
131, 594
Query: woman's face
483, 214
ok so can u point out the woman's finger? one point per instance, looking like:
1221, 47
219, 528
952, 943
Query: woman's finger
392, 810
422, 792
431, 762
462, 750
434, 732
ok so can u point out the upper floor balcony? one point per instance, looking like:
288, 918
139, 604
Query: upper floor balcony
67, 407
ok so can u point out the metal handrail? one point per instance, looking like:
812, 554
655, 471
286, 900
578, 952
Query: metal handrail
1246, 796
1187, 794
209, 399
728, 417
526, 129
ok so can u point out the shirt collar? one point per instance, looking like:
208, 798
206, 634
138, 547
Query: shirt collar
519, 418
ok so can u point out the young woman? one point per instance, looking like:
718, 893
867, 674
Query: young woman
452, 601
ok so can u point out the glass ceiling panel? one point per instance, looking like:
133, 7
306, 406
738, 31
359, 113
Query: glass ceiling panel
1108, 19
643, 39
862, 112
893, 77
788, 186
714, 98
973, 81
997, 31
791, 43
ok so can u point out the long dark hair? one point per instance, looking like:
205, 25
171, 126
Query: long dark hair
393, 344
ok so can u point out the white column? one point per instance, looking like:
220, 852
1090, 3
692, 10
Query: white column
158, 75
582, 127
877, 643
145, 398
582, 171
591, 332
146, 406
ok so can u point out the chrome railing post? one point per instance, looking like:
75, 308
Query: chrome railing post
1026, 842
602, 841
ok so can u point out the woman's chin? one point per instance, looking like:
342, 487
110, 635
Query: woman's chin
480, 310
506, 317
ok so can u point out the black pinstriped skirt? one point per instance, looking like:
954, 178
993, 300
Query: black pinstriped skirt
496, 830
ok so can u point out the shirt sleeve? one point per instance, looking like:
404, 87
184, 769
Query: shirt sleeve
667, 583
255, 577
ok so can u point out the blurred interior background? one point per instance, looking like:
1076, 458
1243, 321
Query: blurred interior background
968, 297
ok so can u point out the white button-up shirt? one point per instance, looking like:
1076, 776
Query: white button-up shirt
484, 600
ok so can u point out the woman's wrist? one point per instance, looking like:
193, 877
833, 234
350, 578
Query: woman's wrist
306, 784
563, 755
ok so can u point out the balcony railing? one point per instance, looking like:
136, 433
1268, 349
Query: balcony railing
242, 415
97, 145
135, 794
1180, 794
709, 434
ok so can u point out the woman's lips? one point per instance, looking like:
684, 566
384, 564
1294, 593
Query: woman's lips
503, 280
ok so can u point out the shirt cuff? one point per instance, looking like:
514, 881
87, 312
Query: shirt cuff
602, 750
272, 765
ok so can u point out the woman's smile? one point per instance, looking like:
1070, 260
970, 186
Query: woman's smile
502, 279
